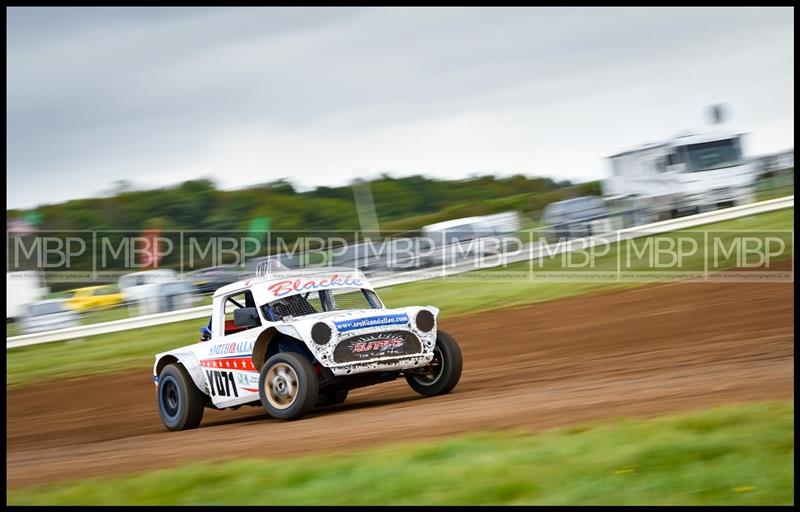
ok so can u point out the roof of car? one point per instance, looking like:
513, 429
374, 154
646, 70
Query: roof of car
277, 276
579, 199
453, 222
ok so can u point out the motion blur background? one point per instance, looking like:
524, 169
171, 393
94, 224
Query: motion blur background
156, 154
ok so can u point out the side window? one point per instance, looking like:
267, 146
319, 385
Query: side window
243, 299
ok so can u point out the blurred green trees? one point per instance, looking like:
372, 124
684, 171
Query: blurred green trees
401, 203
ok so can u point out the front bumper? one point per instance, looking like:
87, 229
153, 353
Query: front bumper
383, 364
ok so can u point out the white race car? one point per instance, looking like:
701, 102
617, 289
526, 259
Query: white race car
291, 340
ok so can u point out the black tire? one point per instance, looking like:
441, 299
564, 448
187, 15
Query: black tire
332, 397
180, 403
292, 398
441, 378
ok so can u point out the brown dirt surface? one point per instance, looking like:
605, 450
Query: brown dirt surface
636, 352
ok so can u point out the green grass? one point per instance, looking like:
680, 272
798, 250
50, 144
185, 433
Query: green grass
734, 455
97, 354
454, 296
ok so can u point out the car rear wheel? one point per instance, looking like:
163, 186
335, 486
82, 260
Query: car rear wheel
288, 386
180, 403
441, 375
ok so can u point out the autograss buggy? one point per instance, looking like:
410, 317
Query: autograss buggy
292, 340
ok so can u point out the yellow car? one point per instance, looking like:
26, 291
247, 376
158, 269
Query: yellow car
94, 297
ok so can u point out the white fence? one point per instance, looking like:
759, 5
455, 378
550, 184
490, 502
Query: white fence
530, 251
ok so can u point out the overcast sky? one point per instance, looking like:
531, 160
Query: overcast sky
322, 95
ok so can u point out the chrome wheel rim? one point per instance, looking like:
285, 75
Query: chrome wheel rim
280, 386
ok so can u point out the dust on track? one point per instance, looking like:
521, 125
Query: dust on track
636, 352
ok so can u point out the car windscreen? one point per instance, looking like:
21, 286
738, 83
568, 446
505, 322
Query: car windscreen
309, 303
458, 234
175, 288
584, 208
47, 308
575, 209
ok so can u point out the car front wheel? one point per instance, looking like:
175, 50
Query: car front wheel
288, 386
441, 375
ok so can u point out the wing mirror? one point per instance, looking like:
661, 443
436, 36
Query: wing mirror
246, 317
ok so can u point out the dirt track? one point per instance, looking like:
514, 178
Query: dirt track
628, 353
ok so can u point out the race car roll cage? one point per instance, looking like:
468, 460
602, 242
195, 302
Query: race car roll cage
327, 301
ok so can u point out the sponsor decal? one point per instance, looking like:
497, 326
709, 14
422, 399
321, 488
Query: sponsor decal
288, 286
247, 379
381, 344
373, 321
232, 348
234, 363
378, 345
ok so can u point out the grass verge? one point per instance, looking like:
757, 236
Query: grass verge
454, 296
734, 455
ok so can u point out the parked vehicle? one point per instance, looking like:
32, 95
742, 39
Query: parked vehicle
167, 296
406, 253
500, 224
458, 240
133, 285
207, 280
392, 253
575, 218
686, 174
94, 297
23, 288
47, 315
290, 340
362, 255
286, 259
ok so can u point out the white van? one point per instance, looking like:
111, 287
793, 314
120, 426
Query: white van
690, 173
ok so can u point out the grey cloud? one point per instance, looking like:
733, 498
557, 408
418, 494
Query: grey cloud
96, 91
